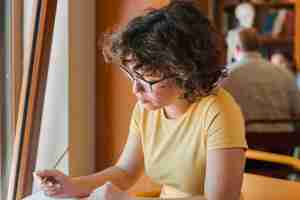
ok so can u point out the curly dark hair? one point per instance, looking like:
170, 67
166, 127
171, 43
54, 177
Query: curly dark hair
174, 40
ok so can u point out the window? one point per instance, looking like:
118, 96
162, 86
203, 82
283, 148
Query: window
6, 121
31, 100
46, 87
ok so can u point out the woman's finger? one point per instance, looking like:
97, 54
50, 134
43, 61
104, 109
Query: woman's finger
51, 193
50, 176
37, 178
48, 188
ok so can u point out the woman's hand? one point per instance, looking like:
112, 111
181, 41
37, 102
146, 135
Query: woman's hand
108, 191
56, 184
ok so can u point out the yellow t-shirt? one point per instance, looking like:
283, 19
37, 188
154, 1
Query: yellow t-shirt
175, 149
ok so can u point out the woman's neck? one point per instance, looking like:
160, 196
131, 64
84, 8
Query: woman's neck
176, 109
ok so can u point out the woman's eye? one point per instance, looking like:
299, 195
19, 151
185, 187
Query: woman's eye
152, 78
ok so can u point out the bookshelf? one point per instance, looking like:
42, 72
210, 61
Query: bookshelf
287, 43
286, 5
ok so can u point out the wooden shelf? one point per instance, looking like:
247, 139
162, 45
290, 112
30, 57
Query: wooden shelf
286, 5
270, 45
269, 40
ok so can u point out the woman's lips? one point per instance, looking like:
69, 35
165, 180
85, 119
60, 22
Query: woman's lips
143, 101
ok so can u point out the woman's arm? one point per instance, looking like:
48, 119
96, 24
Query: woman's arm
124, 174
224, 174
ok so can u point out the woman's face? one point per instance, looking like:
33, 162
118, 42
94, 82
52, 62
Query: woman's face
154, 91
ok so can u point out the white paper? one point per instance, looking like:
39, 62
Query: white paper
41, 196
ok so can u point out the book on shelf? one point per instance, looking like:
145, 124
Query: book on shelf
279, 23
289, 24
269, 21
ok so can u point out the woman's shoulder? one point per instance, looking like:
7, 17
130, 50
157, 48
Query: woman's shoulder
218, 96
220, 109
219, 101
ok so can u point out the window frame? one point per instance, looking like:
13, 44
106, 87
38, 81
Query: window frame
16, 56
31, 100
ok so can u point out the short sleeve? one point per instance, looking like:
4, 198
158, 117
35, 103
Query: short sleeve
225, 125
135, 125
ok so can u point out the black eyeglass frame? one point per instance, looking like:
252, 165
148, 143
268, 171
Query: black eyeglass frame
139, 78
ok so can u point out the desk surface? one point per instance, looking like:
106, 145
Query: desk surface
256, 187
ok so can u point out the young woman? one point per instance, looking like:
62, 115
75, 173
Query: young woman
186, 133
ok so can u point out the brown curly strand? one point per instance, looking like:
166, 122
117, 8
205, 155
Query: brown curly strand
174, 40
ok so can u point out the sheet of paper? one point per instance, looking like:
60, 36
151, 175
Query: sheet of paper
41, 196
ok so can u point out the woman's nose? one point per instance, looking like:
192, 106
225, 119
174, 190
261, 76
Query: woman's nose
137, 87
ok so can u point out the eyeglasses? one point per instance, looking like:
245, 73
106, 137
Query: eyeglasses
138, 78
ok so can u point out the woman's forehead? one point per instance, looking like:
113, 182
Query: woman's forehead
131, 63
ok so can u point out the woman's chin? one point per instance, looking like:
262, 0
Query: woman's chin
149, 106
